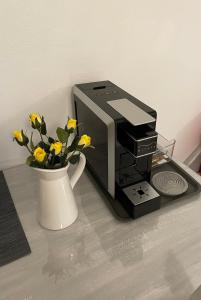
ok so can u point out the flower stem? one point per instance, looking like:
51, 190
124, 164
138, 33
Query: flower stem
52, 162
41, 137
29, 150
72, 154
39, 131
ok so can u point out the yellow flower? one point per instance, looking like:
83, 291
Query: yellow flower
17, 134
71, 123
85, 140
57, 147
39, 154
33, 117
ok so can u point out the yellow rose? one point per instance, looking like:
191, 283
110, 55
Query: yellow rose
39, 154
57, 147
17, 134
85, 140
33, 117
71, 123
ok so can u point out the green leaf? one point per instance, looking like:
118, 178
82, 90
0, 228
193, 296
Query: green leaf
29, 160
43, 129
50, 140
63, 159
53, 152
80, 147
71, 130
25, 138
57, 159
19, 143
32, 124
62, 135
66, 151
74, 159
37, 124
36, 164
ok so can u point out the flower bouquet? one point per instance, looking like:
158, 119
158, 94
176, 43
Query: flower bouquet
50, 158
49, 152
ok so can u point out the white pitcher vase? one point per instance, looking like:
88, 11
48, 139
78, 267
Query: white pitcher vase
57, 208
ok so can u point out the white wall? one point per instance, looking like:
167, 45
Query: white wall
150, 48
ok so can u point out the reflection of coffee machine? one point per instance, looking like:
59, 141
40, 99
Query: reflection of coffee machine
124, 136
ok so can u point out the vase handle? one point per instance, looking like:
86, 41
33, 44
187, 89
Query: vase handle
78, 171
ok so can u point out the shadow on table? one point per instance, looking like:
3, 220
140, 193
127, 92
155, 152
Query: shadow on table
196, 294
121, 239
177, 278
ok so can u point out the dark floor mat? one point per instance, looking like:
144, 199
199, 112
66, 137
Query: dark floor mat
13, 242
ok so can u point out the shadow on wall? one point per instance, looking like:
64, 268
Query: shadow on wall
188, 138
55, 107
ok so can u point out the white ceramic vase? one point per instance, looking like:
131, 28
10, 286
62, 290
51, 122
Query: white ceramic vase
57, 208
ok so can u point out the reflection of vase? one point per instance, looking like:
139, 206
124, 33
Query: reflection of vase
57, 206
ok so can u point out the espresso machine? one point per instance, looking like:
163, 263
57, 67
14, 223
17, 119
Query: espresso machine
123, 133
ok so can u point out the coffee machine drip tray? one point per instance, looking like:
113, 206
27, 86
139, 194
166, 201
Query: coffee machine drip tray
140, 199
140, 192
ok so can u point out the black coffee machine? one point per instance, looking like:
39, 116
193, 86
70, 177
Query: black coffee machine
124, 136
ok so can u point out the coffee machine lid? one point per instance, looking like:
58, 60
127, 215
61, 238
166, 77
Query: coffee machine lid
131, 112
